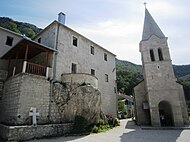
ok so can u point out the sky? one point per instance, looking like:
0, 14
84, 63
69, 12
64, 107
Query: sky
116, 25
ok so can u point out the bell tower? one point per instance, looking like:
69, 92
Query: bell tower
164, 97
156, 60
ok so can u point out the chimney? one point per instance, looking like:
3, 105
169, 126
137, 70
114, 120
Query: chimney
61, 17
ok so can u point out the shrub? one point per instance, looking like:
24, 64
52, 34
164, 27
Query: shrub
116, 122
95, 129
110, 121
101, 122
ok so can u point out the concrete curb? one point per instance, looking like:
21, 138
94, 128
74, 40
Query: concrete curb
165, 128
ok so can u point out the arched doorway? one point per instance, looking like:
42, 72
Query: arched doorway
165, 111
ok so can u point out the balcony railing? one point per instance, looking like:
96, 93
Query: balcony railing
31, 68
35, 69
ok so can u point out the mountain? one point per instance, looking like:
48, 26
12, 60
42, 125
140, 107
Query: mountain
27, 29
181, 70
125, 65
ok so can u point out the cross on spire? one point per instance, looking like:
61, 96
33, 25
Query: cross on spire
145, 3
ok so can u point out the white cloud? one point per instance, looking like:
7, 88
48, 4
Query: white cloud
119, 37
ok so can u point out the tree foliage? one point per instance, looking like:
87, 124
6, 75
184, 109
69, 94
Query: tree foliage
121, 106
128, 76
29, 32
19, 27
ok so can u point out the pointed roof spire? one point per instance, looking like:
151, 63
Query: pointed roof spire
150, 27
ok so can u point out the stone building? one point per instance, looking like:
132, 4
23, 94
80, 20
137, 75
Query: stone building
78, 54
61, 73
159, 99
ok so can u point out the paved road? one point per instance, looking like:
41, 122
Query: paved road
128, 132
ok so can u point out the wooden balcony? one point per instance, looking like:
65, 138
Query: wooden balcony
31, 68
35, 69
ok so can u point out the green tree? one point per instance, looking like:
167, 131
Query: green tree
11, 26
29, 32
121, 106
127, 80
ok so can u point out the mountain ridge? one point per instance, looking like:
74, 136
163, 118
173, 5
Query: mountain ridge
179, 70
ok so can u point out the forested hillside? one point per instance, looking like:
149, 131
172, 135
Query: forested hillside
129, 75
19, 27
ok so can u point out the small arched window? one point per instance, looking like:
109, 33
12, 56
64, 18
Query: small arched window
160, 54
152, 55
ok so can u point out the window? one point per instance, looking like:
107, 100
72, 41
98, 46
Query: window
92, 50
9, 41
74, 68
160, 55
152, 55
106, 78
74, 41
92, 72
105, 57
39, 40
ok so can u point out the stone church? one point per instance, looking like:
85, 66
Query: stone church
159, 99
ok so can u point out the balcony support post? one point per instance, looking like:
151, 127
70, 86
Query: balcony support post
24, 67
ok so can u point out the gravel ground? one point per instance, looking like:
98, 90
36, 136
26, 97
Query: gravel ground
127, 132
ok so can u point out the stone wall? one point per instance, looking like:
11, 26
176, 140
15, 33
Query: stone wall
3, 77
10, 100
35, 91
140, 97
22, 133
22, 92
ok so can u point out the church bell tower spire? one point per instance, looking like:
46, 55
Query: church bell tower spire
162, 95
150, 27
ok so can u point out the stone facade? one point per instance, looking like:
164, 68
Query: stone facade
61, 38
159, 100
23, 133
